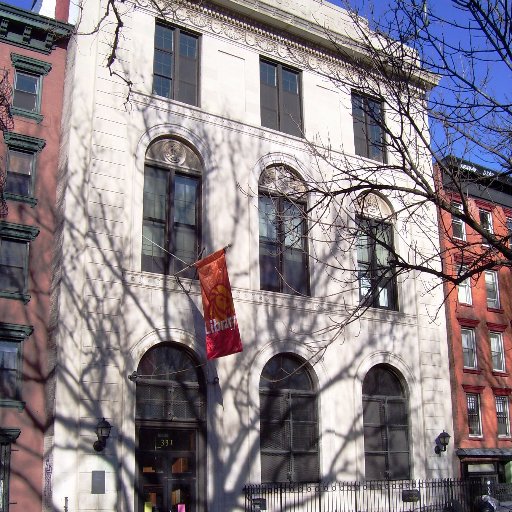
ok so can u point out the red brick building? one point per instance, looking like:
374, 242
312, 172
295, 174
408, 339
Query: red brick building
479, 315
33, 57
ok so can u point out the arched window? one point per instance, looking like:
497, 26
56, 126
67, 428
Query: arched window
282, 232
375, 253
170, 414
171, 229
288, 421
386, 426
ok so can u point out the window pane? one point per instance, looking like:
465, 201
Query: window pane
469, 348
155, 193
19, 175
26, 91
491, 288
13, 257
464, 288
291, 121
502, 416
188, 69
269, 95
9, 358
498, 362
377, 282
162, 64
486, 220
367, 124
473, 404
185, 200
458, 227
164, 37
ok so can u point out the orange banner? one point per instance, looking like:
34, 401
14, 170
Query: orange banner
222, 335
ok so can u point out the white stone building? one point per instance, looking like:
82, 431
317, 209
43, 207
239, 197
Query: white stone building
226, 99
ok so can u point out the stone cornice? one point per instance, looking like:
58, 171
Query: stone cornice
31, 30
331, 58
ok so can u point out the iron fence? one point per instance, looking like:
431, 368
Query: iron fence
446, 495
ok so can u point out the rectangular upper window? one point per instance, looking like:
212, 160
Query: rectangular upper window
12, 337
367, 114
486, 220
503, 416
377, 280
509, 231
469, 348
14, 247
28, 82
22, 152
497, 353
176, 64
474, 419
492, 289
280, 98
458, 226
464, 288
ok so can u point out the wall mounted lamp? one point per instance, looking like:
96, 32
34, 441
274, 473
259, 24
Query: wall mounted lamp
103, 432
442, 441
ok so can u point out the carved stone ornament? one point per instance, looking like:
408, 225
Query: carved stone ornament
282, 180
175, 153
210, 18
371, 205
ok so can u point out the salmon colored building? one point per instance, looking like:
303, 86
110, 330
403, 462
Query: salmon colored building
479, 315
33, 58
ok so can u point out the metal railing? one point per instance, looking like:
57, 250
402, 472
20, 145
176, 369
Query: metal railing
446, 495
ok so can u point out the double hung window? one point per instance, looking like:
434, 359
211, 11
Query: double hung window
486, 221
474, 418
176, 64
497, 353
22, 153
492, 289
280, 98
469, 348
464, 288
282, 233
171, 209
12, 337
288, 421
28, 82
458, 225
503, 416
14, 247
377, 280
368, 121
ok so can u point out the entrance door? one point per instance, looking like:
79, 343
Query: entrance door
170, 430
168, 462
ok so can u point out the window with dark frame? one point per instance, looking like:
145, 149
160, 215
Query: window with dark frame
377, 279
27, 86
368, 119
386, 426
469, 348
280, 98
473, 409
509, 231
12, 337
22, 151
283, 246
288, 422
176, 64
503, 416
7, 437
171, 229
